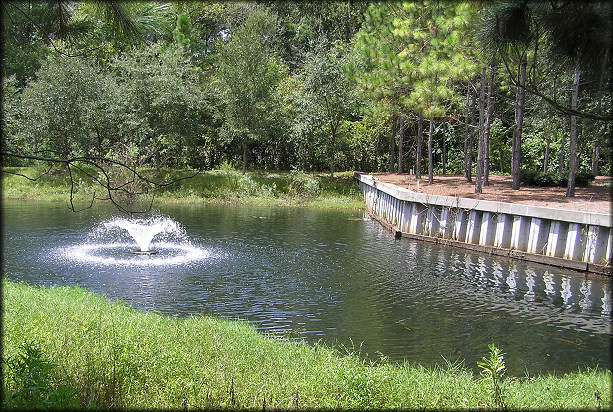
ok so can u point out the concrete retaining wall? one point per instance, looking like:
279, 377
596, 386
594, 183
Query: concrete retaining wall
564, 238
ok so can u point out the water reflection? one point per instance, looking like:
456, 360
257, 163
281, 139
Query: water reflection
497, 272
586, 291
511, 281
530, 282
549, 285
563, 297
606, 302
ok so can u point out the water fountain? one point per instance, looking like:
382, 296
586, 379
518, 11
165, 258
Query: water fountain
112, 242
144, 230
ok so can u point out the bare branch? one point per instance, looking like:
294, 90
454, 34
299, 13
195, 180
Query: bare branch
32, 179
114, 189
72, 206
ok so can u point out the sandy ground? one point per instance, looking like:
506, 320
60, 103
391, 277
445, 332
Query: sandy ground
594, 198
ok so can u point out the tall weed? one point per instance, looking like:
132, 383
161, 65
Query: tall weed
31, 382
493, 369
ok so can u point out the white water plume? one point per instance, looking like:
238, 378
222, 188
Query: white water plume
112, 242
144, 230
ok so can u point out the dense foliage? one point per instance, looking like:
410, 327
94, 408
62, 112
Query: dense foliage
428, 86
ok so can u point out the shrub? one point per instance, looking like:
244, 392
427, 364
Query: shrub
545, 180
527, 177
303, 185
583, 178
534, 178
247, 185
549, 179
562, 180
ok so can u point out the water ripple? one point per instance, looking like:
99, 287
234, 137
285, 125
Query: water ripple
326, 274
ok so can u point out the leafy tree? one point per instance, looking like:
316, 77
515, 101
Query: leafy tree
329, 97
147, 111
249, 71
61, 110
273, 84
11, 119
305, 24
25, 48
210, 23
163, 109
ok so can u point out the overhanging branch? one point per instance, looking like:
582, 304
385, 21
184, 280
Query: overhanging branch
114, 190
554, 103
45, 34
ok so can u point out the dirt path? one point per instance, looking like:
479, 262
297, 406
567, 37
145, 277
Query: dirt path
594, 198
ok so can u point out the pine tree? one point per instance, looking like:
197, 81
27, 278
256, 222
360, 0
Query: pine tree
434, 39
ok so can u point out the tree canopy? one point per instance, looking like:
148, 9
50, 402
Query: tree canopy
323, 86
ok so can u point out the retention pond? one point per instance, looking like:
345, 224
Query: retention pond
322, 274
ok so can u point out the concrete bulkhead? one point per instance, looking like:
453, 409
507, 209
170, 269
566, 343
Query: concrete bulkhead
558, 237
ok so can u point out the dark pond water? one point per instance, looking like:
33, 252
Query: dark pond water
331, 275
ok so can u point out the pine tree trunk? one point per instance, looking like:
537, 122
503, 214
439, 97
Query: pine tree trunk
393, 144
400, 142
420, 143
468, 120
481, 148
431, 133
489, 118
444, 154
519, 120
574, 131
471, 147
430, 155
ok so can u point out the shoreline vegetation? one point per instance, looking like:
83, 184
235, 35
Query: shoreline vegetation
226, 185
69, 347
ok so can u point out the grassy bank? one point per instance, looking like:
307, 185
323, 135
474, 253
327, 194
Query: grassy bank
226, 185
105, 354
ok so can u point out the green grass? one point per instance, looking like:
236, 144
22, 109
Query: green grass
227, 185
112, 355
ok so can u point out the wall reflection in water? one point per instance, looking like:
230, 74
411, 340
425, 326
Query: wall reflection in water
559, 296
